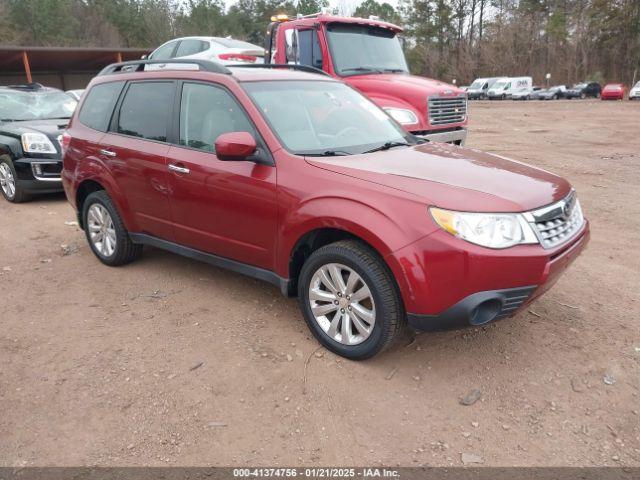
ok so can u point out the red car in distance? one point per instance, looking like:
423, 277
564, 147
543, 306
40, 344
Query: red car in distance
613, 91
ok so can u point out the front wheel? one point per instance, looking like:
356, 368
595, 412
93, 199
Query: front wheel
350, 300
106, 233
9, 186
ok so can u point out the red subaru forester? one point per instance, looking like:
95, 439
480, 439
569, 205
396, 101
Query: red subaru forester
295, 178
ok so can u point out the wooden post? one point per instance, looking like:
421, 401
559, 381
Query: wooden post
27, 68
119, 57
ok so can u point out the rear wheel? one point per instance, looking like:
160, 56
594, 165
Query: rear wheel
11, 191
583, 96
349, 300
105, 231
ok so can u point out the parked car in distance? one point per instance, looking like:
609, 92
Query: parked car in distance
613, 91
226, 51
634, 93
553, 93
298, 179
478, 89
32, 118
75, 94
506, 87
523, 93
584, 90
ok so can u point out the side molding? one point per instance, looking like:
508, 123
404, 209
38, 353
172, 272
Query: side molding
215, 260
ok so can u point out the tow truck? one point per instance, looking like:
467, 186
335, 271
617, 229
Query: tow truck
367, 54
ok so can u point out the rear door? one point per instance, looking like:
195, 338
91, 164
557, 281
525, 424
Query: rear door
223, 207
136, 147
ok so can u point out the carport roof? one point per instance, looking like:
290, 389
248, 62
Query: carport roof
64, 59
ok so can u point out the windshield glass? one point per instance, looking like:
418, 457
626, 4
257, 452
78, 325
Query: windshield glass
476, 85
580, 85
358, 49
323, 118
17, 105
498, 85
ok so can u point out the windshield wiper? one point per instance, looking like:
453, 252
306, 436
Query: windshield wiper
7, 120
328, 153
360, 69
393, 70
387, 146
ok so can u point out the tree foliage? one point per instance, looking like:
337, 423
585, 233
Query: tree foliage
570, 39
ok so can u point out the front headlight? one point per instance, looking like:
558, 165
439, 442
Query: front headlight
402, 116
492, 230
37, 143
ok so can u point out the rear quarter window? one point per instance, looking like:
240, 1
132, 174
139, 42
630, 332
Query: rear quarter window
98, 106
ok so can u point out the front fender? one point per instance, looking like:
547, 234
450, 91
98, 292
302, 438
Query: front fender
376, 227
10, 146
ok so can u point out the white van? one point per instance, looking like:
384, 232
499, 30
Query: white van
478, 89
505, 87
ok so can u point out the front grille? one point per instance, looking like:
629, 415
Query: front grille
447, 110
513, 300
557, 223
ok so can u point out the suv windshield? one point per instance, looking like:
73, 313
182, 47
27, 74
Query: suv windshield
358, 49
324, 118
18, 105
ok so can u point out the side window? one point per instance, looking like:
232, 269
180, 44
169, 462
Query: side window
145, 110
164, 52
98, 106
206, 112
507, 86
291, 40
190, 47
309, 48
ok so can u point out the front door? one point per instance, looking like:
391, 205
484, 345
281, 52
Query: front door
136, 148
227, 208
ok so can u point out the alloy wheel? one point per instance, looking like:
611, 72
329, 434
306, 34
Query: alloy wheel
101, 230
7, 181
342, 304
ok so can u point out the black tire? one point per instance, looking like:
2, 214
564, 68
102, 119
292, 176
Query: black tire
125, 251
504, 97
583, 96
20, 195
390, 316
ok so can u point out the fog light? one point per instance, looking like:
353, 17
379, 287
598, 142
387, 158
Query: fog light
37, 169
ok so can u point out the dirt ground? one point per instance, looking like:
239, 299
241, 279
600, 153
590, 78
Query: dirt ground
172, 362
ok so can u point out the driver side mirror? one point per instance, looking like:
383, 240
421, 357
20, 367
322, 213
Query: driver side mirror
235, 146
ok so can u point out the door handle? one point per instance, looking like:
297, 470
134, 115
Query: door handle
176, 168
107, 153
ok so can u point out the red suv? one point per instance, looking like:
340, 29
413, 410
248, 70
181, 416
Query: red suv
297, 179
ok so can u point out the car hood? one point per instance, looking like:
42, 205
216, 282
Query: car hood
404, 86
52, 128
454, 177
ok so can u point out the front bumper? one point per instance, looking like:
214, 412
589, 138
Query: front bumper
39, 175
457, 136
445, 286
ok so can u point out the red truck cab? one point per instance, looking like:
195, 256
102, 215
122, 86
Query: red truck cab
367, 54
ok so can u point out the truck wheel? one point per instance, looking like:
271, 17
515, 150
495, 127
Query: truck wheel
350, 300
583, 96
105, 231
9, 184
504, 97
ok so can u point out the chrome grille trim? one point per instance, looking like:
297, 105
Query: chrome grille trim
557, 223
447, 110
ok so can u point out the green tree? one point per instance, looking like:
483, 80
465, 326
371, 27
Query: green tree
382, 10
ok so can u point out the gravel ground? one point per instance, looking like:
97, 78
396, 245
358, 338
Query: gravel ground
171, 362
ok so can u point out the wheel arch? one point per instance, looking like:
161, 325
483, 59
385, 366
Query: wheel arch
317, 238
